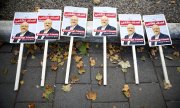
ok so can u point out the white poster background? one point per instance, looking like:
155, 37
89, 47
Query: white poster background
123, 29
16, 27
97, 20
81, 21
56, 24
163, 29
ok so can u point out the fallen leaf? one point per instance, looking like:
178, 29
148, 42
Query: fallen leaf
13, 60
143, 58
169, 57
124, 70
99, 76
167, 86
176, 54
91, 95
54, 67
126, 90
80, 64
96, 2
125, 64
83, 49
23, 71
81, 70
66, 88
178, 69
61, 63
100, 82
77, 58
48, 92
74, 78
22, 82
92, 61
32, 105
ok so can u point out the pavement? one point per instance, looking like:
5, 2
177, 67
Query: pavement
150, 93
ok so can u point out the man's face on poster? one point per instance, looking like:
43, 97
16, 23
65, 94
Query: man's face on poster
156, 29
74, 21
104, 21
24, 27
47, 24
130, 29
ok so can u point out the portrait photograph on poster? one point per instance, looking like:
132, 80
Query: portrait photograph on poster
104, 21
24, 27
131, 29
48, 24
74, 21
157, 30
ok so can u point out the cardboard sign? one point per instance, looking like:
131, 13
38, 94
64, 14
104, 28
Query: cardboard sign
104, 21
131, 29
48, 24
24, 27
74, 21
157, 30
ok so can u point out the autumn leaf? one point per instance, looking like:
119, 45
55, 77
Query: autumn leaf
74, 78
124, 70
77, 58
13, 60
176, 54
96, 2
22, 82
66, 88
80, 64
99, 76
125, 64
126, 90
61, 63
33, 57
91, 95
178, 69
48, 91
54, 67
167, 86
92, 61
81, 70
32, 105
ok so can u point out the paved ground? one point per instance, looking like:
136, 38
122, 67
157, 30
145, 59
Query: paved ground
168, 7
149, 93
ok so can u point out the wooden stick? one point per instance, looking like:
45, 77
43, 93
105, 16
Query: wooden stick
135, 65
18, 72
164, 65
44, 63
104, 61
69, 60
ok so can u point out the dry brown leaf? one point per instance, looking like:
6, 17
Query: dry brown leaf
54, 67
87, 45
66, 88
91, 95
77, 58
126, 90
81, 70
47, 93
176, 53
92, 61
125, 64
31, 105
74, 78
80, 64
100, 82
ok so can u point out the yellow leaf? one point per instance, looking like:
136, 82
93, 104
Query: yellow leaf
80, 64
77, 58
82, 70
99, 76
125, 64
91, 95
74, 78
92, 61
22, 82
66, 88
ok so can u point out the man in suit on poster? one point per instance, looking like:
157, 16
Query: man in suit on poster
48, 30
74, 26
105, 26
133, 35
24, 33
159, 35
